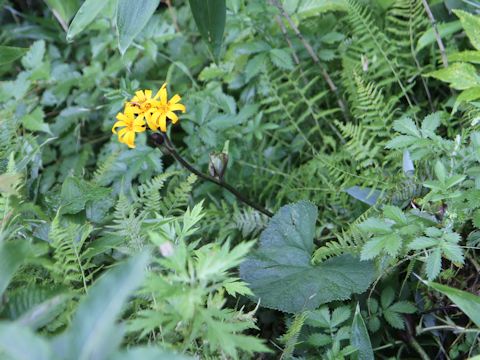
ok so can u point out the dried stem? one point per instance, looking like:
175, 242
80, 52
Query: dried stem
437, 34
163, 139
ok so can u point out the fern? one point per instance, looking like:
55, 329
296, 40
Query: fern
176, 199
149, 193
67, 240
290, 338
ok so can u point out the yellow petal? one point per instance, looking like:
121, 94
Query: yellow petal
130, 139
122, 132
122, 117
162, 94
140, 96
148, 94
175, 99
171, 115
176, 107
162, 122
118, 124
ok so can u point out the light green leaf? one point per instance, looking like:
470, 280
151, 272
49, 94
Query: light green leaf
401, 141
471, 25
430, 123
9, 54
373, 247
394, 213
13, 254
210, 15
406, 126
404, 307
445, 30
359, 338
282, 59
453, 252
340, 315
422, 242
467, 302
310, 8
132, 16
21, 343
434, 263
34, 121
465, 56
34, 56
281, 274
84, 16
392, 244
440, 171
375, 226
94, 322
394, 319
459, 75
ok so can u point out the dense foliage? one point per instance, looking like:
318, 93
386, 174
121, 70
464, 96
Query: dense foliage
355, 123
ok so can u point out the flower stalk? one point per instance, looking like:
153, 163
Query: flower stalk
162, 139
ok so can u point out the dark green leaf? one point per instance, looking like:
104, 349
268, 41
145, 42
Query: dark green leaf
132, 16
84, 16
210, 15
10, 53
13, 254
280, 272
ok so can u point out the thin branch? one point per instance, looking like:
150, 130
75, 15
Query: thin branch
437, 34
163, 139
313, 55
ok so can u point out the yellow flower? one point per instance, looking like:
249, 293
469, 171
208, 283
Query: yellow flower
129, 125
157, 109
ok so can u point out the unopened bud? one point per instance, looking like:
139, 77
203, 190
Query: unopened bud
218, 164
166, 249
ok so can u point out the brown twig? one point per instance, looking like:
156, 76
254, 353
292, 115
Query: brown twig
159, 139
437, 34
313, 55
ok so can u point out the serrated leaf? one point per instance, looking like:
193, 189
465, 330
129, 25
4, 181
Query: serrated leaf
282, 59
394, 319
34, 56
471, 25
392, 244
210, 15
375, 226
280, 272
77, 192
372, 247
406, 126
84, 16
387, 297
422, 242
434, 264
430, 123
440, 171
35, 121
359, 338
394, 213
340, 315
9, 54
454, 253
132, 16
404, 307
401, 141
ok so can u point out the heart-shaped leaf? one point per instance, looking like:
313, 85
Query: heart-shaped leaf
281, 274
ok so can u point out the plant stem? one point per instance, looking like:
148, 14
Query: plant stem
172, 151
435, 31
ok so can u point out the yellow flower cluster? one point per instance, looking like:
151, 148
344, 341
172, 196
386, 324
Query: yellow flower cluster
143, 110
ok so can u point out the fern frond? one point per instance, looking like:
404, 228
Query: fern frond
290, 338
176, 199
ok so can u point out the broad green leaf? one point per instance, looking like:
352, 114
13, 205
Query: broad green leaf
210, 16
394, 213
430, 123
387, 297
440, 171
282, 59
422, 242
9, 54
94, 321
459, 75
359, 338
444, 30
84, 16
13, 254
375, 226
471, 25
467, 302
401, 141
466, 96
281, 274
43, 313
132, 16
340, 315
373, 247
393, 244
21, 343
